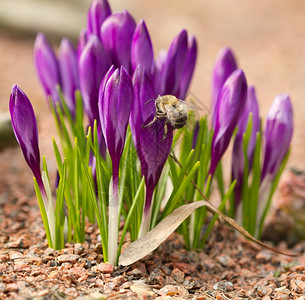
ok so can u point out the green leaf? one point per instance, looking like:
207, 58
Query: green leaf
43, 213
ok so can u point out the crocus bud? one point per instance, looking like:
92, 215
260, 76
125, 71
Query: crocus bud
141, 48
238, 163
174, 64
115, 100
189, 68
141, 109
278, 134
228, 110
82, 41
98, 12
69, 72
25, 129
152, 148
116, 34
46, 67
93, 65
176, 70
224, 66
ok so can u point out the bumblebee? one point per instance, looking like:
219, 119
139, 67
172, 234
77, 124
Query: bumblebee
172, 110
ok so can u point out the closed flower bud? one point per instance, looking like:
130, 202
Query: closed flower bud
228, 110
93, 65
98, 12
278, 134
46, 67
141, 48
116, 34
25, 129
115, 100
238, 163
69, 72
224, 66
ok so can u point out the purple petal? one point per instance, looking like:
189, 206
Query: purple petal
228, 110
141, 110
141, 48
152, 148
189, 68
46, 66
99, 11
154, 151
251, 106
238, 162
69, 72
82, 41
25, 129
116, 35
174, 65
278, 134
224, 66
114, 108
93, 65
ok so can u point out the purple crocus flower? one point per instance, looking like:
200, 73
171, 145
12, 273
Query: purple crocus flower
177, 70
99, 11
115, 99
46, 67
189, 67
116, 34
224, 66
69, 72
228, 110
25, 129
152, 148
278, 134
141, 48
82, 41
238, 163
93, 65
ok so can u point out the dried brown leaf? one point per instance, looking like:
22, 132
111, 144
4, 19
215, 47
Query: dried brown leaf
143, 246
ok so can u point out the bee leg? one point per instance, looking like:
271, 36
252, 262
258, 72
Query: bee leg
165, 130
150, 123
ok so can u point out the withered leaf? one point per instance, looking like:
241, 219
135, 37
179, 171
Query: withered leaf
143, 246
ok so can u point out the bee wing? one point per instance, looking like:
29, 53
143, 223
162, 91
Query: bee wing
202, 107
171, 110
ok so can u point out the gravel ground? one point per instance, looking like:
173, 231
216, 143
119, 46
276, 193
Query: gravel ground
229, 267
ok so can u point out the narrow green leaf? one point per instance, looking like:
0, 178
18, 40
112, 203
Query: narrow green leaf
43, 213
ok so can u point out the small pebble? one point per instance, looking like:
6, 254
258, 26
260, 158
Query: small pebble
72, 258
105, 267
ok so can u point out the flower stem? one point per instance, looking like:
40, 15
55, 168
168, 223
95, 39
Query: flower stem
113, 224
146, 218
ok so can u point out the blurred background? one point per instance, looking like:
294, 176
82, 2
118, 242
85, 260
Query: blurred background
267, 37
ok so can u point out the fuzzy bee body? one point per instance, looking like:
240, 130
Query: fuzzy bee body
173, 110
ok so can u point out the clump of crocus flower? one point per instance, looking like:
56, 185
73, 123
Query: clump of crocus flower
113, 73
252, 194
112, 77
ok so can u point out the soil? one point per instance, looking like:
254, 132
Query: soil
229, 267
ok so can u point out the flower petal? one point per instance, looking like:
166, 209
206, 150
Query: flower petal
141, 48
116, 34
224, 66
25, 129
93, 65
228, 110
99, 11
69, 72
278, 134
115, 101
46, 66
